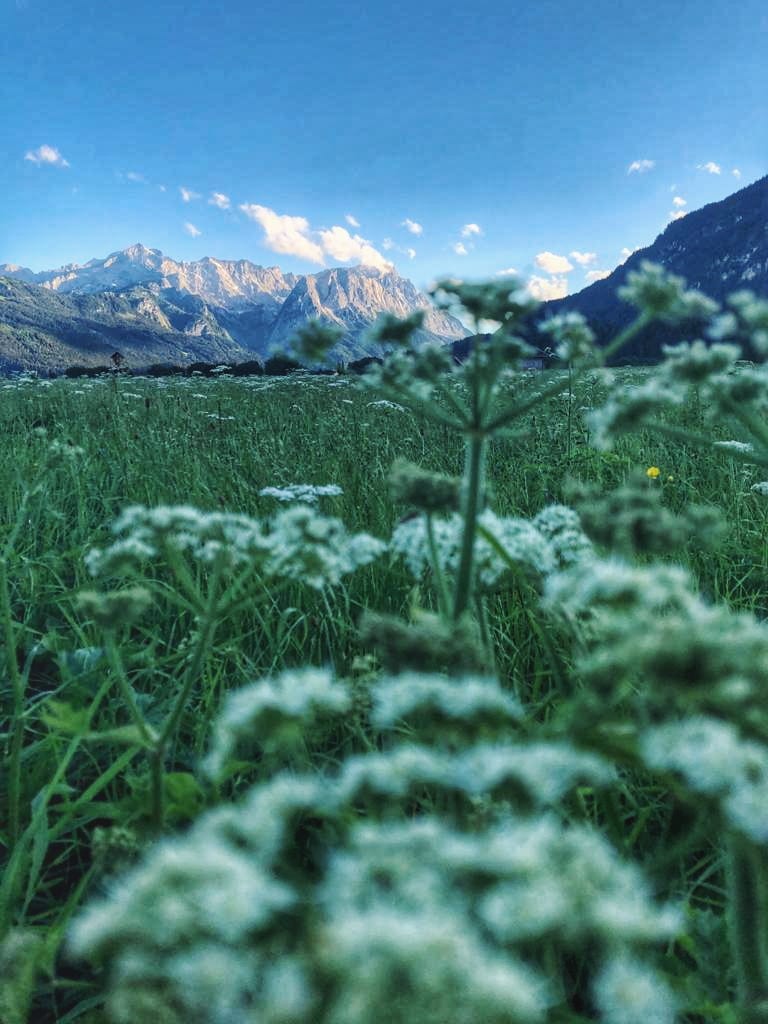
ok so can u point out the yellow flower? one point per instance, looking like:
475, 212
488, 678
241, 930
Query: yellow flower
653, 472
670, 479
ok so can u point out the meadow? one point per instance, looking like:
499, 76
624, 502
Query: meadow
280, 755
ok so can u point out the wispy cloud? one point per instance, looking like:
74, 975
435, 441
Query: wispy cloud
295, 236
583, 258
352, 221
596, 275
678, 201
135, 177
413, 226
387, 244
192, 230
410, 253
460, 249
676, 214
736, 173
552, 263
641, 166
46, 155
471, 229
187, 194
509, 272
219, 200
710, 167
544, 288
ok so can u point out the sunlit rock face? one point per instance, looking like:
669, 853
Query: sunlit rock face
210, 309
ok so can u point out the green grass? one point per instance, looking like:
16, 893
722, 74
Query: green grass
214, 444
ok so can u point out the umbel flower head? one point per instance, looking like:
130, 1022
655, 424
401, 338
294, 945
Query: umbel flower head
299, 543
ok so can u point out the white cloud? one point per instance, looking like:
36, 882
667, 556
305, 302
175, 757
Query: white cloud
136, 177
471, 229
162, 188
352, 221
583, 258
596, 275
678, 201
410, 253
676, 214
544, 288
626, 253
413, 226
340, 245
286, 234
46, 155
295, 237
509, 272
192, 230
736, 173
710, 166
187, 194
641, 166
219, 200
387, 244
460, 249
552, 263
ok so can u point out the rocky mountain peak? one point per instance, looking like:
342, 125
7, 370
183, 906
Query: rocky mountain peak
238, 308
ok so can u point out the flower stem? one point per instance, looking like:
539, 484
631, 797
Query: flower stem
472, 502
745, 872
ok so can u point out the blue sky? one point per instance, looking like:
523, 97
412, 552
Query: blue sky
463, 139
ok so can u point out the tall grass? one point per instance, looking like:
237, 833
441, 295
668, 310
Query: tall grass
112, 694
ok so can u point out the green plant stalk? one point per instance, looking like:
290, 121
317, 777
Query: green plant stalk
126, 690
443, 597
747, 924
472, 501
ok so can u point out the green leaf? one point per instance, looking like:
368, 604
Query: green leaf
184, 796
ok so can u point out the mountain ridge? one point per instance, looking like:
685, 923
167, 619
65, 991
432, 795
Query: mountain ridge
720, 248
160, 309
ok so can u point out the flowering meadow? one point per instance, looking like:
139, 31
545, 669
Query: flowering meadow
433, 697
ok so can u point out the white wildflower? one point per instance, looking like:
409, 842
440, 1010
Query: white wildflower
273, 712
315, 549
465, 699
524, 546
432, 960
183, 891
562, 528
694, 363
613, 583
743, 447
627, 991
384, 403
306, 493
716, 760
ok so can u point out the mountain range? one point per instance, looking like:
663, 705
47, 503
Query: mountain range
157, 310
154, 309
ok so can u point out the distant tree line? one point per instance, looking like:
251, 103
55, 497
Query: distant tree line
275, 366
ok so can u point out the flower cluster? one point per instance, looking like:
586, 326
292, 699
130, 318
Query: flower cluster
273, 713
503, 546
300, 544
306, 493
